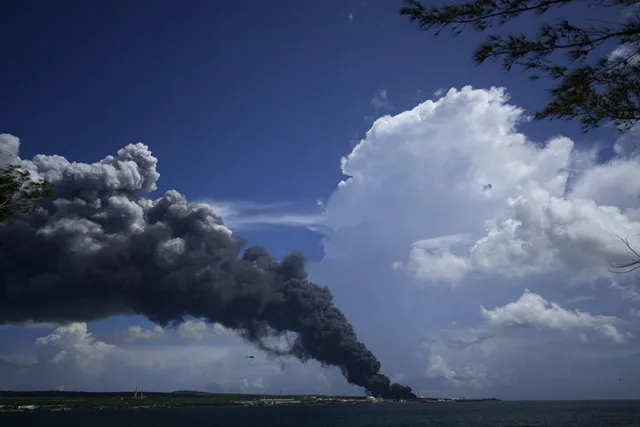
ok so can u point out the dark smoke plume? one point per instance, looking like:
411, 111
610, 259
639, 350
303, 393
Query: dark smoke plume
99, 248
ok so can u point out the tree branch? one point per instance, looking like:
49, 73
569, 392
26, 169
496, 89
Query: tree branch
630, 266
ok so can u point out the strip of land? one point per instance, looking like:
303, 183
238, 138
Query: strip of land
71, 400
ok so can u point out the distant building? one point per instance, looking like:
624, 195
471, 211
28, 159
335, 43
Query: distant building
278, 401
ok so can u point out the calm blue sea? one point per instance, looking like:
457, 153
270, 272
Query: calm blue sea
493, 414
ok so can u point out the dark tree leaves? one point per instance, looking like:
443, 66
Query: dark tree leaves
18, 193
592, 89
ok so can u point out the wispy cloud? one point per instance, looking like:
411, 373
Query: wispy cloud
138, 333
198, 330
628, 291
625, 52
381, 101
30, 324
242, 215
350, 16
24, 358
579, 299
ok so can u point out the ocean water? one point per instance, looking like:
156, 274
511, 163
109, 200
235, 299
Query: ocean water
485, 414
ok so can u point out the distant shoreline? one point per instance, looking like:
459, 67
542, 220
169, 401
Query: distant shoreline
53, 401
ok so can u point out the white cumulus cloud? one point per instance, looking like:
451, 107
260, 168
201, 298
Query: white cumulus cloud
453, 192
432, 259
533, 311
458, 166
74, 343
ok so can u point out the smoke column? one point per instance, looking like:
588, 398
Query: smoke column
99, 248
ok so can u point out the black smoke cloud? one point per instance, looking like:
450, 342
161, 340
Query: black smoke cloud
99, 248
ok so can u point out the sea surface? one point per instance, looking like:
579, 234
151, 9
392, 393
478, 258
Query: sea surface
483, 414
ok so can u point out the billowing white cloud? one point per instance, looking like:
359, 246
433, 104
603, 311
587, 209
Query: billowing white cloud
431, 259
459, 167
533, 311
74, 343
452, 192
138, 333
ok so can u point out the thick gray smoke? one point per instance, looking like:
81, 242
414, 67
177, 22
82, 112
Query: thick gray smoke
99, 248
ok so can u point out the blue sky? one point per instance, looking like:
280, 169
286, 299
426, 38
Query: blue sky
250, 106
